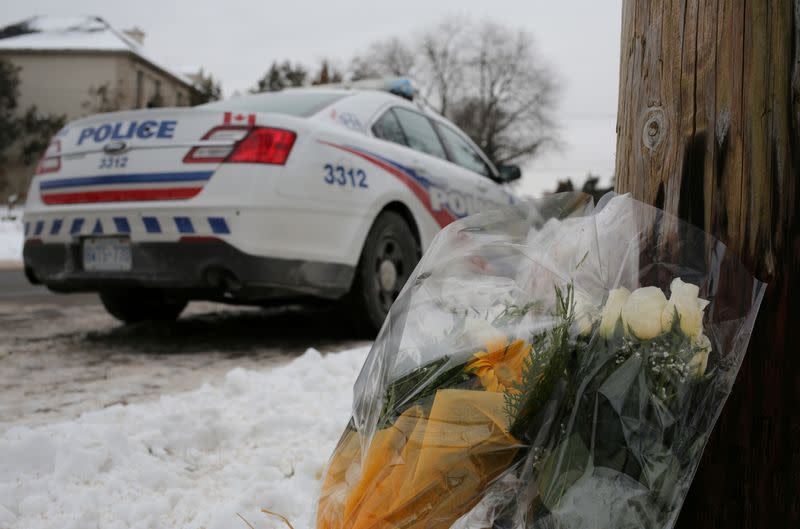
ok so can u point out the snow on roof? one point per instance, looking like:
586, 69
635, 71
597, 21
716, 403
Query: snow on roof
77, 33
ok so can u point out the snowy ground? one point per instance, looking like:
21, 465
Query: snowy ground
11, 236
177, 425
194, 459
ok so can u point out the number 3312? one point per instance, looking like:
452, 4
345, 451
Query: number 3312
344, 177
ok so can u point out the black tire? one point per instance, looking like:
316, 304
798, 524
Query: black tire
389, 250
137, 305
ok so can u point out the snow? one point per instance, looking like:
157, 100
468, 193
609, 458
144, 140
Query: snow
78, 33
11, 236
192, 460
72, 33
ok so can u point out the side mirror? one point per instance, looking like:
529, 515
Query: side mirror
509, 173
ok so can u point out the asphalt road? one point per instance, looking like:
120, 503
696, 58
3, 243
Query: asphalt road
15, 287
61, 354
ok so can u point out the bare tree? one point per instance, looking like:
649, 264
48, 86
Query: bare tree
392, 57
488, 79
103, 98
445, 61
510, 95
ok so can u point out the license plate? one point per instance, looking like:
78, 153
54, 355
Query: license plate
107, 254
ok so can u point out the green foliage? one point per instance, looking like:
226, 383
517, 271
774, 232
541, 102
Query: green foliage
419, 385
280, 76
327, 75
15, 30
37, 130
514, 313
561, 469
32, 129
543, 367
206, 90
9, 92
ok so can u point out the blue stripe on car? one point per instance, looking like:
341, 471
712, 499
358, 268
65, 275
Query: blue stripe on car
142, 178
151, 224
184, 224
77, 226
39, 227
98, 228
218, 225
55, 227
122, 225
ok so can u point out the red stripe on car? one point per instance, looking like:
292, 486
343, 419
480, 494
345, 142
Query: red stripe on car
442, 217
122, 195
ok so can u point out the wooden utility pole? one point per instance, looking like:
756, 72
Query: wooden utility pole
709, 130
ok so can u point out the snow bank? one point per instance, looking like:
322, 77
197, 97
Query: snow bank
191, 460
11, 235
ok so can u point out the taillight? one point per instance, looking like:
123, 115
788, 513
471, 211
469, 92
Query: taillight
260, 145
227, 136
270, 146
51, 159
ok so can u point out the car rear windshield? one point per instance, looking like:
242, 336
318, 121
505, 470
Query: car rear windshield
292, 103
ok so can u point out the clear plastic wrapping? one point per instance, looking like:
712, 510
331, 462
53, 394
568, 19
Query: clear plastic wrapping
555, 366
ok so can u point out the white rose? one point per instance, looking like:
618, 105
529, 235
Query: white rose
613, 311
642, 312
699, 362
689, 307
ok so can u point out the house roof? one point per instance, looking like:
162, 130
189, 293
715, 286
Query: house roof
78, 33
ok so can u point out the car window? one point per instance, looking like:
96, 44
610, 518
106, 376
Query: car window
291, 102
420, 133
388, 128
463, 153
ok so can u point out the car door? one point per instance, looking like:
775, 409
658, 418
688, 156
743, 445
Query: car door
451, 190
467, 157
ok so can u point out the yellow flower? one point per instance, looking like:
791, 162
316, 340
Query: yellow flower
500, 366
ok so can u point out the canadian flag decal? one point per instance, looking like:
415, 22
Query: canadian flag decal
239, 119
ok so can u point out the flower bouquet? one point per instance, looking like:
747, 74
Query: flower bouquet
557, 366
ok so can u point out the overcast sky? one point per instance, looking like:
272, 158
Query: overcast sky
236, 40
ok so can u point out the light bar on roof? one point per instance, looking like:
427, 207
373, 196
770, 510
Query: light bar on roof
400, 86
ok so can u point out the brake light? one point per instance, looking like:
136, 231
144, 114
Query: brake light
264, 145
243, 145
51, 159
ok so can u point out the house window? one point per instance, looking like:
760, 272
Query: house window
179, 100
157, 100
139, 89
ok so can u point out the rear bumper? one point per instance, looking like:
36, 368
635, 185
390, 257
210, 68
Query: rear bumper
204, 269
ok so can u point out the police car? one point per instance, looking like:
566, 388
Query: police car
326, 193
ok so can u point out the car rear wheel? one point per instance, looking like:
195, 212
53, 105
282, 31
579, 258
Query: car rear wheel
136, 305
389, 256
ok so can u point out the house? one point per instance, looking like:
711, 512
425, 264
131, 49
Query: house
77, 66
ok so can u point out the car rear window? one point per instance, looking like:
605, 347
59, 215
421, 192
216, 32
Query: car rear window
292, 103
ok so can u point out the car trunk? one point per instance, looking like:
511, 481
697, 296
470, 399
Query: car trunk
138, 156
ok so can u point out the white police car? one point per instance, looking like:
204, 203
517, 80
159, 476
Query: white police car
327, 193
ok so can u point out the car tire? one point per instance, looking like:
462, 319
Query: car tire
137, 305
389, 256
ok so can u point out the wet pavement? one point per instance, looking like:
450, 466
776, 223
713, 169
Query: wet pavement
62, 355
